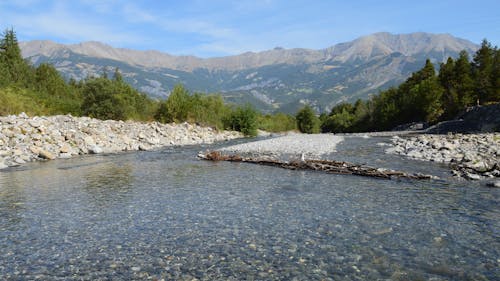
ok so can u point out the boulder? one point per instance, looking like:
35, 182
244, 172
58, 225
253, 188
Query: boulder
44, 154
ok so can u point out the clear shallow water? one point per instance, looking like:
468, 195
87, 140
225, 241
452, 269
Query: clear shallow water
167, 215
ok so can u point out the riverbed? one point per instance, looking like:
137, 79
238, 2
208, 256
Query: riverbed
166, 215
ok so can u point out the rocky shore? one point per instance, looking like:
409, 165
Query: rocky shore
25, 139
471, 156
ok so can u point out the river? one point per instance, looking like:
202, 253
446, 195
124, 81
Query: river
166, 215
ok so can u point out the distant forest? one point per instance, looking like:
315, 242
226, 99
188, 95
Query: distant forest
424, 97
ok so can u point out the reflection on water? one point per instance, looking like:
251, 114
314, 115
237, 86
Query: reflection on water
166, 215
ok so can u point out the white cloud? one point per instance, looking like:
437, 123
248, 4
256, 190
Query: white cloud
60, 22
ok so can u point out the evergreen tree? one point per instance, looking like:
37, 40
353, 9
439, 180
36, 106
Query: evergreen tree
49, 80
426, 72
495, 77
386, 109
427, 105
463, 82
15, 69
447, 80
482, 66
361, 114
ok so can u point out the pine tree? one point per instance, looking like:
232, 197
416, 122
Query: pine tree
463, 82
447, 80
426, 72
495, 77
49, 80
14, 67
482, 66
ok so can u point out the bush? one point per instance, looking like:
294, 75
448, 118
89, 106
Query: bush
278, 122
176, 107
307, 121
243, 119
15, 101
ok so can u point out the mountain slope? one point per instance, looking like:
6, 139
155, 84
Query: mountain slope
274, 79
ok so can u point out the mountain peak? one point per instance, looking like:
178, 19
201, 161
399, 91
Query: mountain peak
362, 48
276, 78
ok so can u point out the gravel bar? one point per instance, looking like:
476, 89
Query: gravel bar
311, 146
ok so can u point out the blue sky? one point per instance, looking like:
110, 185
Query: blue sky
220, 28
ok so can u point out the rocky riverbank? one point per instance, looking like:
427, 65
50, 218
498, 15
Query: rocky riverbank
471, 156
25, 139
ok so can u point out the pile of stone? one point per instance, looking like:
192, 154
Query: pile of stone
24, 139
471, 156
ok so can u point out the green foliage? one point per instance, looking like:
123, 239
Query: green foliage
14, 100
278, 122
307, 121
101, 101
485, 72
208, 110
14, 69
176, 108
114, 99
181, 106
422, 97
458, 85
243, 119
425, 97
463, 82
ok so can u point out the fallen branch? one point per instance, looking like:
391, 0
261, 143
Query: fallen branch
334, 167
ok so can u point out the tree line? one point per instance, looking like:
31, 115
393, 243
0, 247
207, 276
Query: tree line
424, 97
41, 90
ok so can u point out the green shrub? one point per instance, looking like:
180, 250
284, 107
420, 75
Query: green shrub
278, 122
243, 119
307, 121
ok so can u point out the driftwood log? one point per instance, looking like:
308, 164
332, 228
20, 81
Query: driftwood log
334, 167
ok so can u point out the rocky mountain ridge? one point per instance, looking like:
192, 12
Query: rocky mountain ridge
277, 79
378, 44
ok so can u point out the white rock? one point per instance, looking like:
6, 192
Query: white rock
19, 161
65, 155
2, 164
95, 149
472, 176
35, 123
89, 140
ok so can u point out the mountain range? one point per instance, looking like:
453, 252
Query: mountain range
278, 79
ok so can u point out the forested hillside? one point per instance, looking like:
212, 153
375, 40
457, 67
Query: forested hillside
41, 90
425, 96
